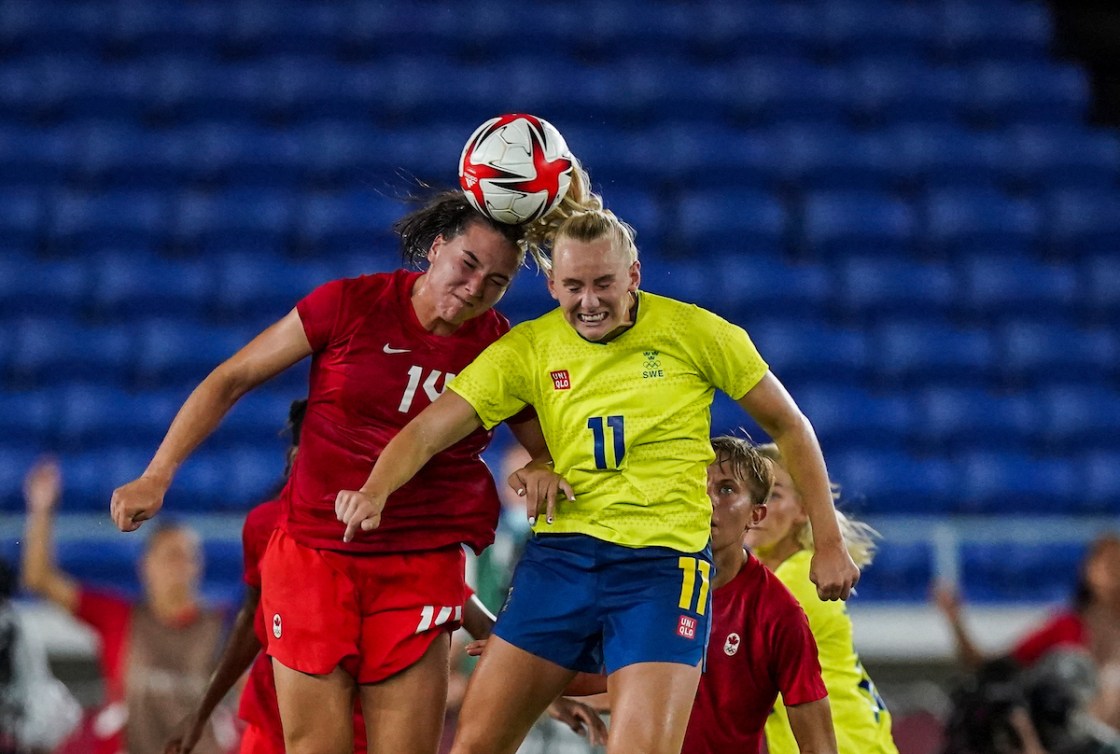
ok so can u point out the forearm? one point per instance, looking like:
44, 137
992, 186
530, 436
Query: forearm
37, 553
196, 420
811, 724
477, 619
967, 651
797, 443
240, 650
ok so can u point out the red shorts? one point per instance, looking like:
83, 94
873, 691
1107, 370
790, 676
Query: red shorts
257, 741
373, 615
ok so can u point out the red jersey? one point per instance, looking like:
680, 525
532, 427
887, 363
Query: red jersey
1065, 629
760, 645
258, 705
374, 367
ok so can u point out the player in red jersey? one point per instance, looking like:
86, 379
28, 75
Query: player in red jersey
760, 643
258, 707
383, 347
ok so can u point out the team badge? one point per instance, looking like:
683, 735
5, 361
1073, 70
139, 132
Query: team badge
651, 367
277, 629
561, 380
731, 646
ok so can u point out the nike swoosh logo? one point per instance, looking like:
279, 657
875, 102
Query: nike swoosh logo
390, 349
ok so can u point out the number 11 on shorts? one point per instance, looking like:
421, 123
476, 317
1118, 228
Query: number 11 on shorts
693, 598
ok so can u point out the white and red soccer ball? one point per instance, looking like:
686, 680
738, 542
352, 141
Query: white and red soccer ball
515, 168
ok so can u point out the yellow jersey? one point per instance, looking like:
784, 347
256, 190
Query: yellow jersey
861, 720
627, 421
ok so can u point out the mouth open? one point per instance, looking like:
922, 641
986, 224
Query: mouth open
592, 319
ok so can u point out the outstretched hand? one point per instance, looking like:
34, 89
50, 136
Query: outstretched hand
359, 511
136, 502
541, 487
834, 572
42, 487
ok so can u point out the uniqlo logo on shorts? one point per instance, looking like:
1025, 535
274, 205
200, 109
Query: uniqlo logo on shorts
561, 380
686, 627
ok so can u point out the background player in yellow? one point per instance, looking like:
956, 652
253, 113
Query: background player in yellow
622, 381
784, 541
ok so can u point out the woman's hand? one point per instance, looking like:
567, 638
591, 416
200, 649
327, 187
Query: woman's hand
360, 511
541, 487
136, 502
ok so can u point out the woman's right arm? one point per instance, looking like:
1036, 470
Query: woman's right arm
40, 574
268, 354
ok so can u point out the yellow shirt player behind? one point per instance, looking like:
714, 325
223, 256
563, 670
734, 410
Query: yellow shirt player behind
784, 542
617, 576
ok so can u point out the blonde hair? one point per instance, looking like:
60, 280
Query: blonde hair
859, 537
580, 216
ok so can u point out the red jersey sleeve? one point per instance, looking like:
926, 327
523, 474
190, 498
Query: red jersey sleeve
796, 668
319, 311
1066, 629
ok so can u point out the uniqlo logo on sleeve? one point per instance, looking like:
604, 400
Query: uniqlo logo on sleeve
561, 380
686, 627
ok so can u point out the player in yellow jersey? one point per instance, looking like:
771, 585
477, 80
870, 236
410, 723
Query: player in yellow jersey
784, 541
618, 579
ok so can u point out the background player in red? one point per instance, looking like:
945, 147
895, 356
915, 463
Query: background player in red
760, 643
155, 652
383, 347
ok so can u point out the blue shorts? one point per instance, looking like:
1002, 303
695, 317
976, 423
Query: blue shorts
590, 606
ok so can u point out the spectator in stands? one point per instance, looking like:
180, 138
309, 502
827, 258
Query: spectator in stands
156, 652
623, 381
1090, 623
370, 614
784, 541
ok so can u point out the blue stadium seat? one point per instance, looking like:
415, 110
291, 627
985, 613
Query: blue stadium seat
35, 157
21, 223
256, 470
85, 222
236, 219
1099, 473
31, 287
1003, 285
1013, 482
1038, 352
883, 92
1100, 278
695, 157
90, 476
127, 286
49, 350
108, 562
182, 350
883, 481
1016, 92
348, 221
644, 211
28, 416
838, 224
854, 29
265, 288
870, 286
799, 350
223, 561
1064, 154
203, 482
953, 417
753, 221
16, 458
920, 352
901, 571
965, 222
1020, 572
1078, 415
95, 415
1084, 221
846, 417
790, 90
942, 156
748, 285
1012, 30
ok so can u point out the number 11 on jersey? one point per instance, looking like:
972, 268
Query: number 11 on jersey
599, 434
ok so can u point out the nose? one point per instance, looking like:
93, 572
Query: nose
588, 300
475, 286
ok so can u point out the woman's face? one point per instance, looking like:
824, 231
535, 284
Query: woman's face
784, 515
593, 282
172, 565
1102, 573
469, 273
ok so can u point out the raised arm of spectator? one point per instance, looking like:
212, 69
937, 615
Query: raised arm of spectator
42, 489
948, 602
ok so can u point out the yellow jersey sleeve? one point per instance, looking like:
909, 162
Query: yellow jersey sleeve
498, 383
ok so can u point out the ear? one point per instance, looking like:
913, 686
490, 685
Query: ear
758, 513
552, 286
635, 275
434, 250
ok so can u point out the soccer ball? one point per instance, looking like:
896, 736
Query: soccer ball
515, 168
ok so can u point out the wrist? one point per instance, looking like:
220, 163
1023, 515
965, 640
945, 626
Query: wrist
158, 475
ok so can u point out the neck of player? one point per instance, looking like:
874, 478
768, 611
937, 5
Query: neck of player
728, 561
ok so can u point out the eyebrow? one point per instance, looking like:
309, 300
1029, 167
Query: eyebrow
597, 281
